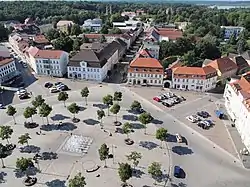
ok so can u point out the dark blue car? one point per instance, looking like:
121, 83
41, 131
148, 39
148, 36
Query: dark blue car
177, 171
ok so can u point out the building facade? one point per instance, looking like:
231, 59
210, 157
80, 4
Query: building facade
237, 103
48, 62
7, 70
199, 79
230, 30
152, 47
63, 25
93, 24
145, 71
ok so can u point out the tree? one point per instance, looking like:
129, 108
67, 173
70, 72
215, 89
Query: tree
5, 133
104, 29
145, 118
63, 96
134, 157
24, 139
126, 128
100, 114
241, 46
3, 153
45, 111
85, 39
77, 181
63, 43
11, 111
107, 100
103, 39
85, 93
233, 39
155, 170
104, 153
74, 109
3, 33
115, 110
24, 163
161, 134
29, 112
115, 31
117, 18
52, 34
117, 96
76, 44
136, 106
125, 172
38, 101
75, 30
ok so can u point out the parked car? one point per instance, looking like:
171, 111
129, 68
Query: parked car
58, 83
166, 104
48, 85
203, 114
21, 91
62, 87
1, 106
177, 171
179, 138
204, 124
54, 90
157, 99
191, 119
23, 96
196, 117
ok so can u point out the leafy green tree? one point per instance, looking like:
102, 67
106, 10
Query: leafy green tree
63, 43
155, 170
103, 39
24, 139
3, 153
77, 181
104, 29
115, 31
103, 153
3, 33
76, 44
126, 128
125, 172
74, 109
85, 39
115, 110
24, 163
241, 46
117, 18
232, 39
52, 34
107, 100
45, 111
135, 106
145, 118
100, 114
29, 112
63, 96
161, 134
134, 157
11, 111
38, 101
5, 133
117, 96
85, 94
75, 30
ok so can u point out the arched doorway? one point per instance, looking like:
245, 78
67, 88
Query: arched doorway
138, 82
167, 84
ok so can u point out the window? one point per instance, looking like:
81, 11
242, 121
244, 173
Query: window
155, 75
183, 86
155, 81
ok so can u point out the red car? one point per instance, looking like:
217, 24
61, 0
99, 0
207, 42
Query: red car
157, 99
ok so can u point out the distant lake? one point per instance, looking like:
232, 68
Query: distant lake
230, 6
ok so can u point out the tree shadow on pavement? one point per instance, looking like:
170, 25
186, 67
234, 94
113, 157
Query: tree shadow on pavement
157, 122
100, 106
148, 145
137, 173
181, 184
31, 171
91, 122
130, 117
61, 127
82, 108
180, 150
56, 183
2, 176
30, 149
59, 117
137, 126
48, 155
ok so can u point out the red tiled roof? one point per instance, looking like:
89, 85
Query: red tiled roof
146, 62
6, 61
193, 70
50, 54
32, 51
223, 64
40, 39
93, 36
144, 53
172, 34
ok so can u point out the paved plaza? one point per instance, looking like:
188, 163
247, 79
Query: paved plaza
205, 163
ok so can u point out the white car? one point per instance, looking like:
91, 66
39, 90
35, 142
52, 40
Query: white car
1, 106
178, 138
196, 117
191, 119
22, 91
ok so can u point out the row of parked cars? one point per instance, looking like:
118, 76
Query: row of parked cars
201, 119
56, 87
169, 99
22, 93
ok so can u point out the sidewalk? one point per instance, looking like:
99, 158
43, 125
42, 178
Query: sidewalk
236, 139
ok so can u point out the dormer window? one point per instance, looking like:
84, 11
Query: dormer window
136, 69
145, 70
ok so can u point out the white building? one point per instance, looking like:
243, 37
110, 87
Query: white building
199, 79
7, 70
93, 24
237, 103
127, 25
131, 15
230, 30
48, 62
93, 65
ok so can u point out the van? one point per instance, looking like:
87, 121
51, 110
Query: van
177, 171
